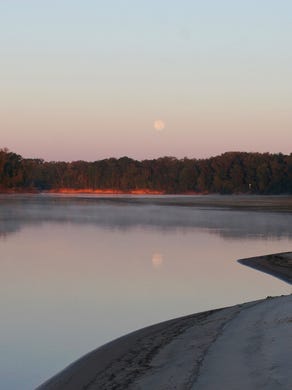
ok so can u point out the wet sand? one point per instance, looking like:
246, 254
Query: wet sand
243, 347
277, 264
144, 354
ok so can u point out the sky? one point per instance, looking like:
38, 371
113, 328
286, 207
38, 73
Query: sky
94, 79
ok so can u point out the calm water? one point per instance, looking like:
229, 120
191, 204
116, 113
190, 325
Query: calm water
78, 271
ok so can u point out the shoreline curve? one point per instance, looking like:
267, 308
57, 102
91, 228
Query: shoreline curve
191, 352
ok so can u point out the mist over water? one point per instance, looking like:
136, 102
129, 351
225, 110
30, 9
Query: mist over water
123, 213
77, 272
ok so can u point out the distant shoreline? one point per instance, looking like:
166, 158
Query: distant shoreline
72, 191
244, 202
228, 173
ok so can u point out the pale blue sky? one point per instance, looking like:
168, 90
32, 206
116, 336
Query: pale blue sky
87, 79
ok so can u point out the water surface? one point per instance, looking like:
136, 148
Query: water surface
79, 271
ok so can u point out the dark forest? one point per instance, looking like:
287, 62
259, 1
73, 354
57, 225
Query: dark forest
231, 172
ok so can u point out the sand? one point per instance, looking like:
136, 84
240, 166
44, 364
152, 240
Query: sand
254, 350
247, 346
276, 264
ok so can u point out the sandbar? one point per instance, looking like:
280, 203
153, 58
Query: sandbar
276, 264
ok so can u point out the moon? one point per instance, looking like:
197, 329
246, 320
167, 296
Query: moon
159, 124
157, 260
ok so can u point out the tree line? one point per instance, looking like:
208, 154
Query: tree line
231, 172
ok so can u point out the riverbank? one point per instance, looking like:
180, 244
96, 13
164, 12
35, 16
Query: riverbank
240, 202
85, 191
240, 347
277, 264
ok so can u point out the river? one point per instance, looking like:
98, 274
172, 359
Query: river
78, 271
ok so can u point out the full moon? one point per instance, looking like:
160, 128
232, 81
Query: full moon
157, 260
159, 125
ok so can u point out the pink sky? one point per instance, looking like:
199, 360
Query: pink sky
88, 82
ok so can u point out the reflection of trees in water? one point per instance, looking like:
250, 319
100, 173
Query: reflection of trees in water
19, 212
8, 227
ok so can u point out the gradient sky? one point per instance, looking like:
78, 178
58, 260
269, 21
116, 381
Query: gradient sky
87, 79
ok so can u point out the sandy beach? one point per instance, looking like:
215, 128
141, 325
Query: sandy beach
247, 346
